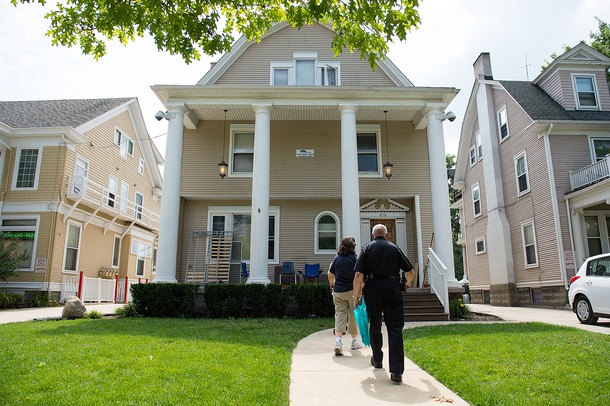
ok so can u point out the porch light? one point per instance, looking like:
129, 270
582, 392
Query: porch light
387, 167
223, 167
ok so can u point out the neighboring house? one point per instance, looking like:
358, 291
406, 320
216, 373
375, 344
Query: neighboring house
80, 190
533, 167
305, 138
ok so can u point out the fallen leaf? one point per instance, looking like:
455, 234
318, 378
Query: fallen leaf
442, 399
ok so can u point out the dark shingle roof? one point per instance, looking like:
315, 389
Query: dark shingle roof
55, 113
540, 106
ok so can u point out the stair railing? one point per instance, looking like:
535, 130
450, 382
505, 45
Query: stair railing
437, 275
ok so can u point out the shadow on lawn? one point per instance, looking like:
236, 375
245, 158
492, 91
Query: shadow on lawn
486, 328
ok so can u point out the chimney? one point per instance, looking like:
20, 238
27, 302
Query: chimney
482, 67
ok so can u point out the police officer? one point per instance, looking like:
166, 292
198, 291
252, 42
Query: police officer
380, 262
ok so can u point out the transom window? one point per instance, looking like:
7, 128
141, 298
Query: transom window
522, 175
305, 70
503, 123
327, 232
27, 168
476, 200
601, 148
529, 244
586, 93
242, 149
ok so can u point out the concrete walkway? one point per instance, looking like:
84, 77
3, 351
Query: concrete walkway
41, 313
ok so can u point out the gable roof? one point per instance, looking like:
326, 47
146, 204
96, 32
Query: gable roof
577, 57
55, 113
540, 106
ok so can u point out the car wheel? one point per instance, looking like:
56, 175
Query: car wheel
584, 311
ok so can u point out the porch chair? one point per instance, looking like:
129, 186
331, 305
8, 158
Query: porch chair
244, 273
312, 271
288, 270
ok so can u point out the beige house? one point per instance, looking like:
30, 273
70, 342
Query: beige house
534, 171
80, 190
305, 136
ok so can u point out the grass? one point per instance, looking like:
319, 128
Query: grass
131, 361
515, 364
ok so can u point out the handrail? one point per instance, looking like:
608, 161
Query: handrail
81, 187
438, 278
590, 174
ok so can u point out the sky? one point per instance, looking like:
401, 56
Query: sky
519, 35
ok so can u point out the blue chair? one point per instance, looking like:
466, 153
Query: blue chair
288, 270
244, 272
312, 272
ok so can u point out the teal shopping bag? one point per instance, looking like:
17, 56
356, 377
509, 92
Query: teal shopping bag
362, 320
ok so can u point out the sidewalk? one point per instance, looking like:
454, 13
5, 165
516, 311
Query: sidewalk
38, 313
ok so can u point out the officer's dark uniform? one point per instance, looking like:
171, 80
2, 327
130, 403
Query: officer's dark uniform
381, 261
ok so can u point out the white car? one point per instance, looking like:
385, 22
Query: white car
589, 292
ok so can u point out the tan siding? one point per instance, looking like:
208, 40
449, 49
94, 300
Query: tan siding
553, 87
253, 66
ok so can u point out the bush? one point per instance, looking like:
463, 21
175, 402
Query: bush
41, 299
164, 299
311, 300
10, 301
129, 310
94, 314
458, 310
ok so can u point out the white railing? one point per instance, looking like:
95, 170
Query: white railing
81, 187
123, 294
590, 174
437, 273
69, 287
97, 290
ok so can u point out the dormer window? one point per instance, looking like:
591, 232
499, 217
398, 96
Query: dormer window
586, 93
305, 70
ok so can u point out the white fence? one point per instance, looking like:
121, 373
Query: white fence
438, 278
69, 287
97, 290
123, 294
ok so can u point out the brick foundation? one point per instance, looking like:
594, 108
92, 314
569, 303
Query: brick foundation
509, 295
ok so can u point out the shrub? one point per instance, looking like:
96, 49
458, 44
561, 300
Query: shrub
94, 314
10, 301
458, 310
164, 299
311, 300
129, 310
41, 299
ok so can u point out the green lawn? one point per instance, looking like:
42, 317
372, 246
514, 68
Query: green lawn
515, 364
129, 361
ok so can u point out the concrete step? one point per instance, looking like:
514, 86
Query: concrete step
427, 317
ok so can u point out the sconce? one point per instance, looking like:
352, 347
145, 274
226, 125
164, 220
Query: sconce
387, 167
223, 167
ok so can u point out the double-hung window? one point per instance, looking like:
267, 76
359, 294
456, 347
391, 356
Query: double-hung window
476, 199
586, 92
27, 168
116, 251
24, 231
473, 156
503, 123
480, 245
523, 185
305, 70
479, 147
142, 250
242, 149
73, 236
529, 244
139, 206
367, 140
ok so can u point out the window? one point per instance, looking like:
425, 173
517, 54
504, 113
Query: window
112, 185
601, 148
529, 244
473, 156
594, 238
242, 154
476, 200
367, 139
27, 168
238, 220
521, 173
2, 153
117, 137
124, 142
503, 124
480, 245
142, 250
141, 166
116, 251
23, 230
327, 232
305, 70
154, 261
586, 94
599, 267
81, 171
139, 206
124, 197
72, 246
479, 147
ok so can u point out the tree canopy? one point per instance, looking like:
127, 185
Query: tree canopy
191, 28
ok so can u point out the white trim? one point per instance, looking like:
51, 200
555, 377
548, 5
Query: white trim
317, 250
118, 264
24, 228
78, 248
574, 76
592, 139
499, 123
524, 224
516, 159
472, 189
137, 214
239, 128
124, 197
476, 247
141, 164
16, 169
479, 146
114, 199
371, 128
472, 155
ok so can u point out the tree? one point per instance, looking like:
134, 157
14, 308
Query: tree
458, 260
10, 258
192, 27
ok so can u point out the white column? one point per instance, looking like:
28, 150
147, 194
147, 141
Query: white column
578, 236
259, 236
443, 244
170, 203
350, 190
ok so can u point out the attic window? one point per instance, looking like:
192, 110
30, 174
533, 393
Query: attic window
305, 70
586, 94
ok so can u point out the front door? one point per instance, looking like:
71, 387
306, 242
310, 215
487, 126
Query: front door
390, 224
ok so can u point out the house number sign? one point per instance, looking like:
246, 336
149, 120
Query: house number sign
305, 153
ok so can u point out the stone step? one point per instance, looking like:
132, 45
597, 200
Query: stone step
427, 317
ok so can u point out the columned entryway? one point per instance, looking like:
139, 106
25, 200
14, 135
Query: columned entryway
350, 189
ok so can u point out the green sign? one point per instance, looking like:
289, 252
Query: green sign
19, 235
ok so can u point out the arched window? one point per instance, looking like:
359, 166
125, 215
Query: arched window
327, 232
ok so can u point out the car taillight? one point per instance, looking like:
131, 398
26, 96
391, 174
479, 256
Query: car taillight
574, 279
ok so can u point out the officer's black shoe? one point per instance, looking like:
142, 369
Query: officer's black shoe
396, 377
376, 364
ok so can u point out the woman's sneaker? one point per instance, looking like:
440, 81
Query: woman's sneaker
338, 348
355, 344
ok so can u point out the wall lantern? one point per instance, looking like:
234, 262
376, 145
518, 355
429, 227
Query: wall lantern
223, 167
387, 167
